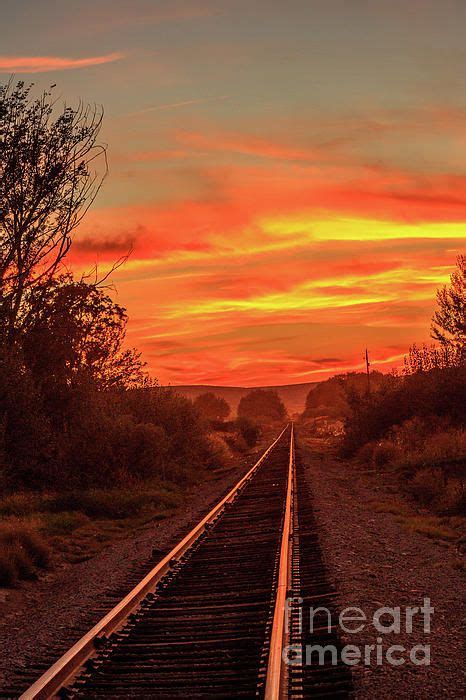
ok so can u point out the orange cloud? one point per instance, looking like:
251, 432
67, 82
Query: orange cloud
257, 256
260, 317
252, 210
45, 64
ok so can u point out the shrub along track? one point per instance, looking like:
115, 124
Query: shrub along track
209, 620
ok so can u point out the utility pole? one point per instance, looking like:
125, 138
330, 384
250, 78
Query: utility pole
368, 364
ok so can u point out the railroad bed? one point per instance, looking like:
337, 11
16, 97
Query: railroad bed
208, 621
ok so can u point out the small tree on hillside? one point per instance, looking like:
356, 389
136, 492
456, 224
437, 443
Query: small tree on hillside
212, 407
449, 321
262, 405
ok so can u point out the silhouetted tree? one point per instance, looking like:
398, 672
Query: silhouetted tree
449, 321
330, 397
438, 393
427, 358
47, 183
262, 405
74, 336
212, 407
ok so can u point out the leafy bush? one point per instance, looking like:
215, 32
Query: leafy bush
432, 399
239, 444
112, 437
185, 443
384, 453
426, 485
249, 430
331, 397
219, 453
431, 488
429, 456
452, 500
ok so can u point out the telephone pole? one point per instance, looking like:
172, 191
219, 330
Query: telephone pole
368, 364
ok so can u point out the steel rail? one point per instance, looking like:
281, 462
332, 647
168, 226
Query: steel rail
67, 666
276, 670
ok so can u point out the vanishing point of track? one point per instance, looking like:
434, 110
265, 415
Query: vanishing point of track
211, 619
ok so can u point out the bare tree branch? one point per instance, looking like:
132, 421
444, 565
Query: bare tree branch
51, 170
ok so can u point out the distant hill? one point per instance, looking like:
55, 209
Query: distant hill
292, 395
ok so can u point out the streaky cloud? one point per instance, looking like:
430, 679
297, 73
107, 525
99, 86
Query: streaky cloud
46, 64
175, 105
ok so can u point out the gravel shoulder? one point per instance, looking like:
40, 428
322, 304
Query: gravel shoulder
41, 619
376, 562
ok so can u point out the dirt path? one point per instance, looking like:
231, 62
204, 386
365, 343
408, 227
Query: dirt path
40, 620
376, 562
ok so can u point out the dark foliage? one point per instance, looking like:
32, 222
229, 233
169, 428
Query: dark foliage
438, 393
449, 321
330, 398
212, 407
76, 409
249, 431
262, 406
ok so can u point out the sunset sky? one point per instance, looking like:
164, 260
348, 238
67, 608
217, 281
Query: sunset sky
290, 175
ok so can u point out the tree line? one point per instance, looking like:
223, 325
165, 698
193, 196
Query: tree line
432, 383
77, 407
412, 420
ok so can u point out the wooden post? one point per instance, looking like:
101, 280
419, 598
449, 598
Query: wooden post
368, 364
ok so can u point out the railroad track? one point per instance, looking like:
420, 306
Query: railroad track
212, 618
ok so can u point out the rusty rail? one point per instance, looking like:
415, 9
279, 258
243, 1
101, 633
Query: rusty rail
276, 671
69, 664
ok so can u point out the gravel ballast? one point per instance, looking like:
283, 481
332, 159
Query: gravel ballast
373, 560
376, 562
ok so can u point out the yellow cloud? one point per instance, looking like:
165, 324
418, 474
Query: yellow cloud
380, 287
358, 229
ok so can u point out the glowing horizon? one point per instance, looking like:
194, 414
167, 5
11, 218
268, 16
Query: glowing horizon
289, 181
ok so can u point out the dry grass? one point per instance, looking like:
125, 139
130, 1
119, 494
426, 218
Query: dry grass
434, 528
385, 453
63, 523
75, 525
426, 464
22, 503
444, 496
395, 508
22, 552
117, 504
